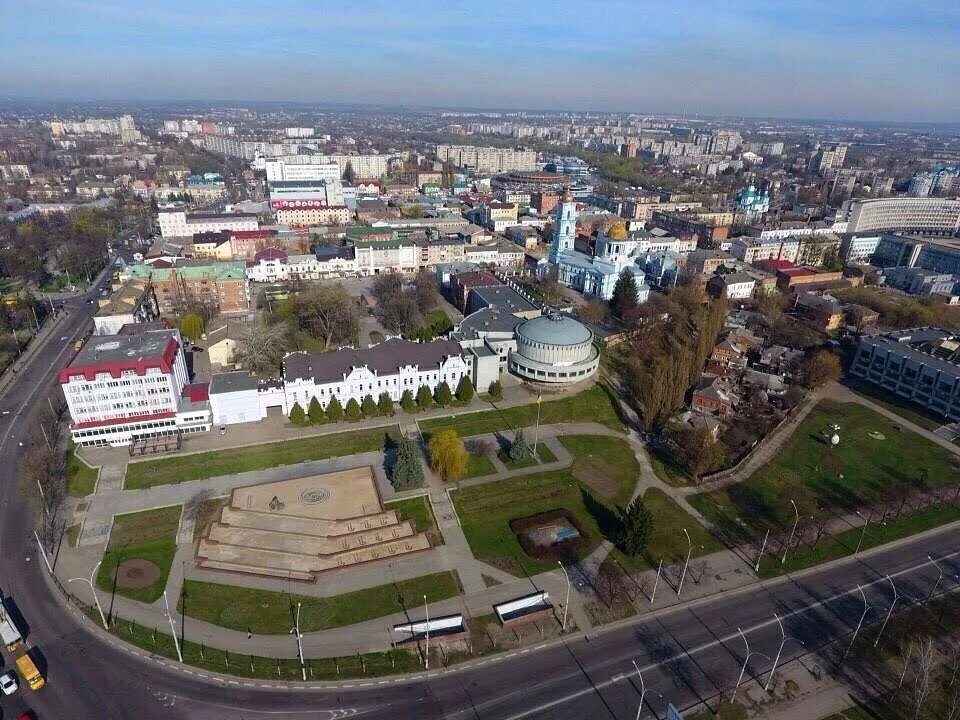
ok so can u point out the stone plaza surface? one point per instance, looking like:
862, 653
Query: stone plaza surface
299, 528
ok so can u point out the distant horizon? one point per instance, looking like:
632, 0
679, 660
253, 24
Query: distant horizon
9, 104
884, 61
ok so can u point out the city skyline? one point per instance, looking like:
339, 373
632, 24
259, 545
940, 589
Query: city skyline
809, 59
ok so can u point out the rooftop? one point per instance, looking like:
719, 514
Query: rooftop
555, 329
232, 382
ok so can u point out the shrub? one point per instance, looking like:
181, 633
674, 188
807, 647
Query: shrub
444, 396
297, 415
465, 390
315, 412
495, 390
424, 397
407, 402
369, 407
353, 411
334, 410
385, 404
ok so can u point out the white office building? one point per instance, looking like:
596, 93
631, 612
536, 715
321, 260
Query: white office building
180, 224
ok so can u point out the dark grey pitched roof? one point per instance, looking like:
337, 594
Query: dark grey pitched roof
383, 359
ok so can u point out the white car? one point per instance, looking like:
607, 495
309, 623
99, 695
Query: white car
8, 683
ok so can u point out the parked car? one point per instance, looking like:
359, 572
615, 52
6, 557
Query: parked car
8, 683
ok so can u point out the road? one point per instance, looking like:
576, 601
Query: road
685, 654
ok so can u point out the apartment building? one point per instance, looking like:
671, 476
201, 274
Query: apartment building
931, 216
487, 159
752, 249
180, 224
221, 286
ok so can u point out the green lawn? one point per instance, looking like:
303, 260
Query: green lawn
826, 481
916, 414
667, 540
593, 405
419, 511
148, 535
183, 468
255, 666
543, 452
843, 544
486, 510
81, 478
479, 465
605, 464
271, 613
666, 471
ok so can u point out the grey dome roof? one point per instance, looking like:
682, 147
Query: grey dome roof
555, 329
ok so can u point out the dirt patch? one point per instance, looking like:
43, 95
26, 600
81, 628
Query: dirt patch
604, 485
137, 573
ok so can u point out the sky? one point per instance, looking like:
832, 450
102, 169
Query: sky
836, 59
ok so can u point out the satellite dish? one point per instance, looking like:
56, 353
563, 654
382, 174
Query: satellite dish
835, 440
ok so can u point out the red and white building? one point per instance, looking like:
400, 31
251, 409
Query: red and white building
124, 387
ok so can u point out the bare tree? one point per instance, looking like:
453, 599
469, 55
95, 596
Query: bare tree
925, 665
260, 349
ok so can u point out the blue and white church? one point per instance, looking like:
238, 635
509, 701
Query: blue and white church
594, 274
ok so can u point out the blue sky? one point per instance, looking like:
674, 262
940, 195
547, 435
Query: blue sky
880, 59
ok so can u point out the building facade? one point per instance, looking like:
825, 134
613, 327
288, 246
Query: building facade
933, 216
179, 224
129, 387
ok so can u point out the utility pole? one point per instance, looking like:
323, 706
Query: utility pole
93, 590
566, 603
296, 629
783, 560
686, 562
173, 628
896, 596
866, 609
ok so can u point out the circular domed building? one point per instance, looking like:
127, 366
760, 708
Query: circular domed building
554, 348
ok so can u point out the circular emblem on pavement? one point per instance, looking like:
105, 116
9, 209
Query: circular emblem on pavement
314, 496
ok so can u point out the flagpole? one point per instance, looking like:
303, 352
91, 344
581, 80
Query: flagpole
536, 432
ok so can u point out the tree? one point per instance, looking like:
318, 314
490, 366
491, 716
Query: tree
353, 411
297, 416
413, 211
697, 451
191, 326
448, 456
465, 390
519, 449
407, 402
593, 312
820, 368
636, 524
444, 396
407, 472
426, 291
334, 410
624, 294
369, 406
385, 405
315, 412
495, 391
261, 349
424, 397
349, 175
325, 312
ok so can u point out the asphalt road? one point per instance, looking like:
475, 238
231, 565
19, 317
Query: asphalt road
684, 655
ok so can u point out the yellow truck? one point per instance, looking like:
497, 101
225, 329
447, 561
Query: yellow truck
30, 673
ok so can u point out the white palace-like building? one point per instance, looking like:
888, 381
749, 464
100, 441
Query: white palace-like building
594, 274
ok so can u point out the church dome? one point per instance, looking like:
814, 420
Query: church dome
617, 231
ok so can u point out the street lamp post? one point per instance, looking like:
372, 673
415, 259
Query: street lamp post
656, 582
566, 602
536, 432
173, 628
426, 609
296, 629
896, 596
776, 660
783, 560
93, 590
746, 661
686, 562
940, 574
866, 609
643, 689
763, 546
866, 521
